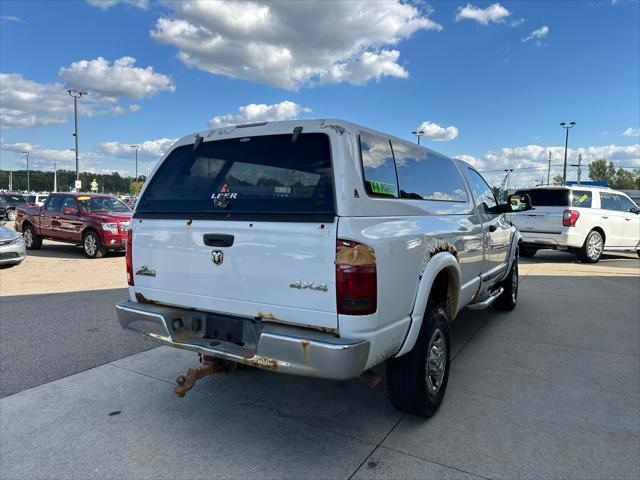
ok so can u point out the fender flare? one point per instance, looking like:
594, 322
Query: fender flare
516, 239
439, 262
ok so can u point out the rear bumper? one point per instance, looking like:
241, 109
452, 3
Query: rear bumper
553, 240
276, 348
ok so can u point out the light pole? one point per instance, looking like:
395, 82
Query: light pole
418, 134
136, 148
549, 169
76, 95
28, 185
567, 127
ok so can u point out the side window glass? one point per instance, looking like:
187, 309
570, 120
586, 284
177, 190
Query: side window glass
608, 202
625, 204
378, 166
427, 176
581, 198
486, 198
69, 202
55, 204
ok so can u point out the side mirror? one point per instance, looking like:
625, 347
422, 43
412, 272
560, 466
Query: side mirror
69, 211
635, 210
519, 202
515, 203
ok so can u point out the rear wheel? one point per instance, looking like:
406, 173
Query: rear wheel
92, 246
592, 249
12, 215
527, 252
417, 381
31, 240
509, 297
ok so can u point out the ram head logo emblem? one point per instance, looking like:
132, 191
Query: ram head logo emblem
217, 257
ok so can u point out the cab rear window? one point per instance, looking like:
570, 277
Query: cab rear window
270, 175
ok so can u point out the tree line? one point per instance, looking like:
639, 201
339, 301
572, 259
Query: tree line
43, 181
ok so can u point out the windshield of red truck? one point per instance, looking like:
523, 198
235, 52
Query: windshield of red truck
262, 175
102, 204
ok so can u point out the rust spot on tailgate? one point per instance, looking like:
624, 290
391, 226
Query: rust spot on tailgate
142, 299
266, 316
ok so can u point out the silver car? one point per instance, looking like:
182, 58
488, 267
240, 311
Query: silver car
12, 248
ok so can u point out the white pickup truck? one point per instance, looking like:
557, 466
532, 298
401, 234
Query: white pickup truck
319, 248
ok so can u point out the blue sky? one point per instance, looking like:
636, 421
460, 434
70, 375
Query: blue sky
494, 80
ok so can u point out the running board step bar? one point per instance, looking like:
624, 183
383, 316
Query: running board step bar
488, 301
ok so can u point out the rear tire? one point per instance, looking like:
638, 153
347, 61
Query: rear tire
509, 298
12, 215
417, 381
527, 252
592, 249
31, 240
91, 245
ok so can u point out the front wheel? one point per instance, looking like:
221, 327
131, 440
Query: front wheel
417, 381
12, 215
592, 249
509, 296
31, 240
92, 246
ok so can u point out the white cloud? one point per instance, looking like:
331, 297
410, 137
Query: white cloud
437, 133
293, 44
530, 162
25, 103
106, 4
630, 132
149, 148
122, 79
537, 34
41, 158
494, 13
260, 113
10, 18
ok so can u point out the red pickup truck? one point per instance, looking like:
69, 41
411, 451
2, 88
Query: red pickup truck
96, 222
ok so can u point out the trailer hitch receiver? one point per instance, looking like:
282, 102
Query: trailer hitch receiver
210, 366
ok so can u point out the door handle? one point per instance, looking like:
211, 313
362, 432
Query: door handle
628, 219
492, 228
218, 240
605, 216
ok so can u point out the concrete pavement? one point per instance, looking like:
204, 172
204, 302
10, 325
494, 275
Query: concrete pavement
550, 390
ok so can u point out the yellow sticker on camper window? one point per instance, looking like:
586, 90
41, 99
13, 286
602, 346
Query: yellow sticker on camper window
84, 198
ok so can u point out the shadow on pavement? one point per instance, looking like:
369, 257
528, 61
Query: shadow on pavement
52, 249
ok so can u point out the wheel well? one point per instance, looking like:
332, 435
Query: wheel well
26, 224
86, 231
601, 232
445, 289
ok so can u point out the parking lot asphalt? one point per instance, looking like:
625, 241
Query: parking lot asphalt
550, 390
57, 316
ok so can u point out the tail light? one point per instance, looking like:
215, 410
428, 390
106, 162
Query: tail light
570, 217
356, 278
129, 259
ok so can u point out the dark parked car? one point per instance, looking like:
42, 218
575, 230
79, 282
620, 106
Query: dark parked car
8, 204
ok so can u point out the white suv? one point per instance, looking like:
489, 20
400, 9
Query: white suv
317, 248
580, 219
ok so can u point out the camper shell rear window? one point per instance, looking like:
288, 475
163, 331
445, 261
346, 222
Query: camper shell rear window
268, 177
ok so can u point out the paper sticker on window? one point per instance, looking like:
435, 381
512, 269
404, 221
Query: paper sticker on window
84, 198
383, 188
